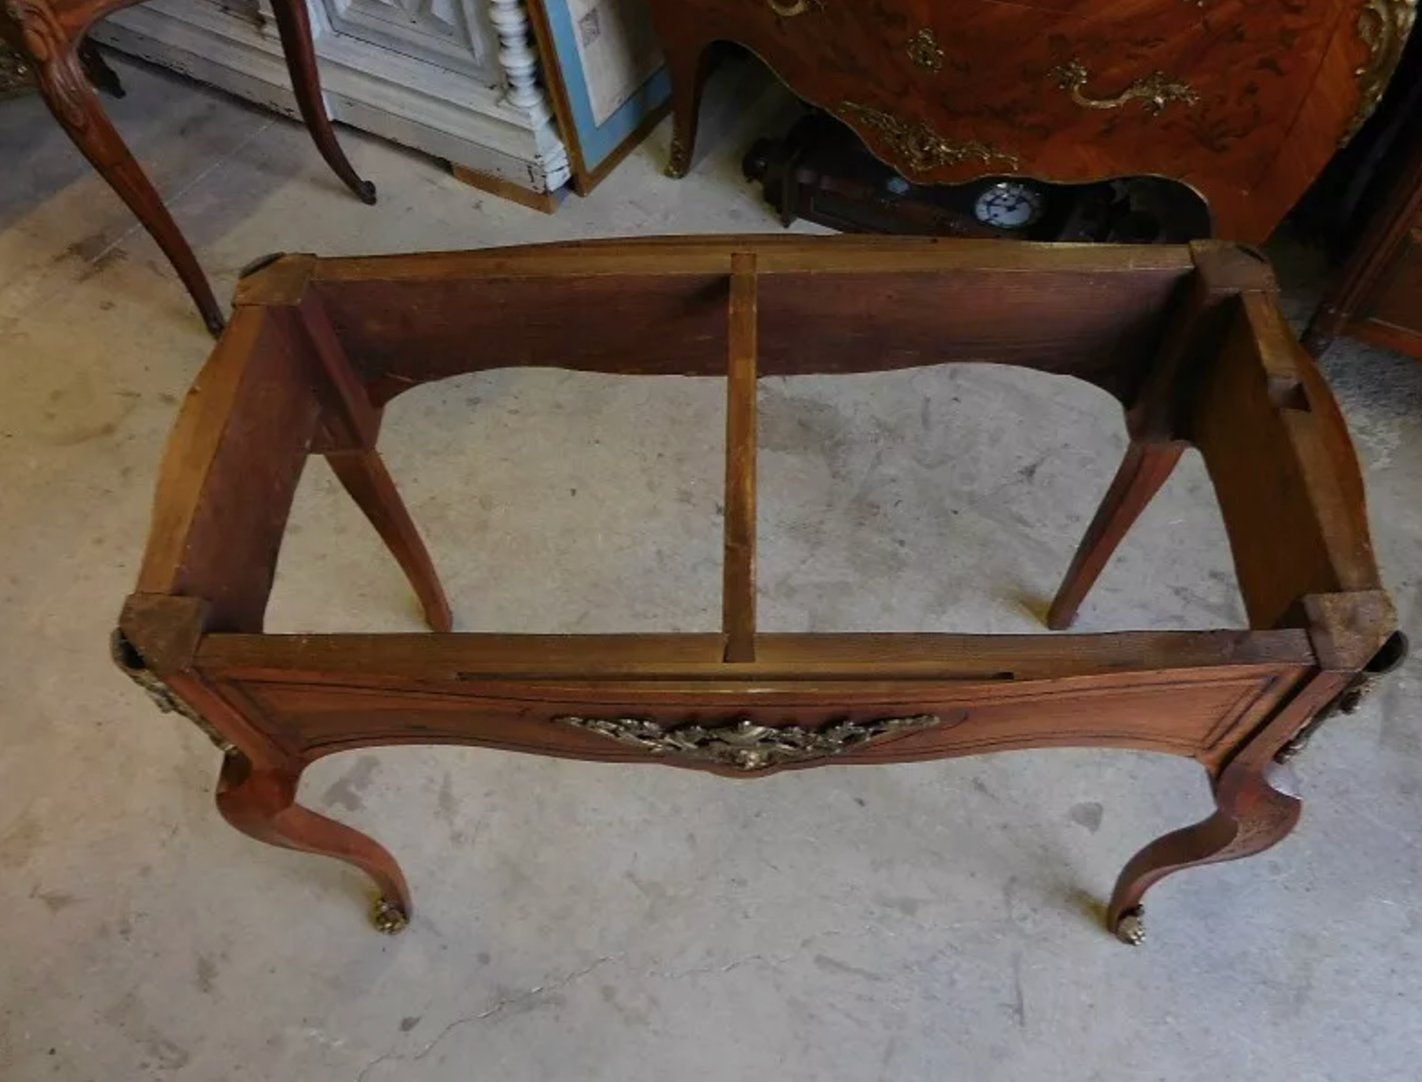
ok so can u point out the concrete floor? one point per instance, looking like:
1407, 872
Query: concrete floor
576, 921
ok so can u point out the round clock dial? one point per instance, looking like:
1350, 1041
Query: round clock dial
1010, 204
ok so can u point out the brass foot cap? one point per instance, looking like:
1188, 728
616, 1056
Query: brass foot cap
388, 917
1130, 929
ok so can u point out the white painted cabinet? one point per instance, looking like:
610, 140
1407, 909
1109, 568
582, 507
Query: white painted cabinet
454, 78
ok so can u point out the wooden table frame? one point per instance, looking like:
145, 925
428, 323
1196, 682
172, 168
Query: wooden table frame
1188, 339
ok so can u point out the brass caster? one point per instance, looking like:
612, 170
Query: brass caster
388, 917
679, 161
1130, 929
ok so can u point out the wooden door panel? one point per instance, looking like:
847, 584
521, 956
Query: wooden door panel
1397, 299
452, 34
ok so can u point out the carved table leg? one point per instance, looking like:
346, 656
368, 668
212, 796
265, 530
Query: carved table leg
1145, 468
364, 476
1254, 810
261, 802
294, 25
687, 69
75, 105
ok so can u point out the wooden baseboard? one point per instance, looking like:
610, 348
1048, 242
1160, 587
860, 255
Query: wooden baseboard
1387, 335
547, 202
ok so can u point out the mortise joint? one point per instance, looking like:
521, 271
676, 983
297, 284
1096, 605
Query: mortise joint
277, 279
1349, 630
1289, 394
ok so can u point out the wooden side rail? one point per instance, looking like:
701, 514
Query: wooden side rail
837, 308
1231, 379
277, 388
614, 700
229, 474
1283, 468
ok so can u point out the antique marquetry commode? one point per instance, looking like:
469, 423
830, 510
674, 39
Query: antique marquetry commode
1188, 339
1243, 100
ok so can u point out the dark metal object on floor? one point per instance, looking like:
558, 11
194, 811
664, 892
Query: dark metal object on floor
822, 172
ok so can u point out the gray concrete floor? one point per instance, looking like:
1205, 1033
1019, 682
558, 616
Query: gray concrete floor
576, 921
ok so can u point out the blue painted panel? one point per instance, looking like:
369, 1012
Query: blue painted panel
595, 142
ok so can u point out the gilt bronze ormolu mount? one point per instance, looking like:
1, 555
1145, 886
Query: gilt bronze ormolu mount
745, 746
1189, 339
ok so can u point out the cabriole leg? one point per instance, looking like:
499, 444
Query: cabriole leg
261, 803
1253, 811
74, 104
294, 25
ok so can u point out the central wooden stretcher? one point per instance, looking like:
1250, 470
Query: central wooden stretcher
1188, 339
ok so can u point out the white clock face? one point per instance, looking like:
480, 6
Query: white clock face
1009, 204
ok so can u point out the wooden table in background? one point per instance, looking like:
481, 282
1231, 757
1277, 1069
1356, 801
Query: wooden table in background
48, 35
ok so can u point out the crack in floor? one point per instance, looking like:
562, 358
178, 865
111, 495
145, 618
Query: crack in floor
497, 1007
